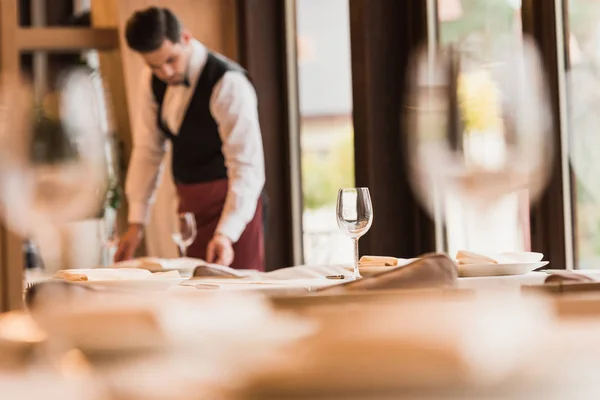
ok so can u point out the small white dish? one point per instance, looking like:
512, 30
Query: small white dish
478, 270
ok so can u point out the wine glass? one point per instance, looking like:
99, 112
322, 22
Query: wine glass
479, 122
354, 217
109, 235
184, 232
52, 161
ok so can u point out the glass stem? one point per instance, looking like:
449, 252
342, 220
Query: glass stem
356, 270
182, 250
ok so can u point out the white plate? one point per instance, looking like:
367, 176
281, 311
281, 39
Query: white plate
150, 284
473, 270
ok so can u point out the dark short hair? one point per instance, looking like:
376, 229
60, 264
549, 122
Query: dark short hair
147, 29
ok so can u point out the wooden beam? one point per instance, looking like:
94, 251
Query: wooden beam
106, 14
57, 39
9, 53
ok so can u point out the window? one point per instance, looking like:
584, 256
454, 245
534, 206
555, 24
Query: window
583, 82
326, 134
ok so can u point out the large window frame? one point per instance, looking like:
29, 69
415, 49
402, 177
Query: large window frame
384, 33
552, 216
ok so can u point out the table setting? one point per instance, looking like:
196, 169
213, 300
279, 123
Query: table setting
486, 322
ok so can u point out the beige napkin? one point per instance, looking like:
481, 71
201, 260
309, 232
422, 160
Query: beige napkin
378, 261
464, 257
434, 270
154, 264
217, 271
103, 274
150, 263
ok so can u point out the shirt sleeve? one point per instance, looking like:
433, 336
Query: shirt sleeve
146, 157
234, 107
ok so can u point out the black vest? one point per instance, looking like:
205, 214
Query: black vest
197, 155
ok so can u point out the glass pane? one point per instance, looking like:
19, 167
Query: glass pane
584, 103
469, 23
463, 20
326, 131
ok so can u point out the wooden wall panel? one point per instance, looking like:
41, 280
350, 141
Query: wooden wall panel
11, 253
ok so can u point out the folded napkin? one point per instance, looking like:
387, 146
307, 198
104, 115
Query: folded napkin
149, 263
378, 261
154, 264
433, 270
464, 257
217, 271
110, 274
567, 277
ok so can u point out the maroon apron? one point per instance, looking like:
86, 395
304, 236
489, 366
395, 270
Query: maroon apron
206, 201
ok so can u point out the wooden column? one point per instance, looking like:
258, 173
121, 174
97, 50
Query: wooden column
106, 14
11, 253
269, 56
384, 34
548, 222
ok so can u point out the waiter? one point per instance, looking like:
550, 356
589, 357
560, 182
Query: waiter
206, 107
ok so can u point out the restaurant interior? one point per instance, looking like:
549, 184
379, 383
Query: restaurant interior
428, 227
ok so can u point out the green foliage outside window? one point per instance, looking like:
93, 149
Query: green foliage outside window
322, 176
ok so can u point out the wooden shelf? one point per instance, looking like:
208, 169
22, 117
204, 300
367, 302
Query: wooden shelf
57, 39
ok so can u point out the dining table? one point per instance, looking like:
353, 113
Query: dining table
280, 335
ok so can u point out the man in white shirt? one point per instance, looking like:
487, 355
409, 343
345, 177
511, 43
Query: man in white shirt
205, 105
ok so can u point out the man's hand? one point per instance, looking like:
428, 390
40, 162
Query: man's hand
129, 242
220, 250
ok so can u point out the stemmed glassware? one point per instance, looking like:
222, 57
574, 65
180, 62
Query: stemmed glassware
184, 232
354, 217
478, 126
52, 161
109, 236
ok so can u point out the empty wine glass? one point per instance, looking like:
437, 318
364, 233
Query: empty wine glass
184, 232
479, 124
52, 151
109, 236
52, 161
354, 216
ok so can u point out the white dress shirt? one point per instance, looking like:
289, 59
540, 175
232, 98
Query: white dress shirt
233, 105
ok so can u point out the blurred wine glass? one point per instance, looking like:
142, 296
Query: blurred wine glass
184, 232
53, 169
478, 125
109, 236
354, 217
